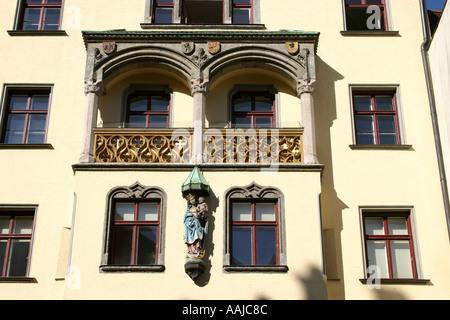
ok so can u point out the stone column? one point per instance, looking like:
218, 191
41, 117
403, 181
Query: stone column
93, 89
199, 90
305, 91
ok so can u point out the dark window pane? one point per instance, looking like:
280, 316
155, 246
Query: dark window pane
241, 15
146, 250
35, 1
138, 103
384, 103
242, 246
53, 1
137, 121
353, 1
18, 102
358, 18
14, 128
3, 244
163, 15
23, 225
364, 130
39, 103
158, 122
243, 122
159, 103
243, 104
51, 19
362, 103
164, 1
263, 122
374, 2
263, 104
18, 258
31, 19
122, 245
241, 1
266, 246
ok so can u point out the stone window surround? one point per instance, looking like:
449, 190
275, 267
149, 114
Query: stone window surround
133, 193
256, 15
255, 191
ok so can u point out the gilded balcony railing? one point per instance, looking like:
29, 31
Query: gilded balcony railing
263, 146
142, 145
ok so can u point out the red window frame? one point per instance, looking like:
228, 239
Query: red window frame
387, 238
43, 5
253, 223
376, 113
364, 4
135, 224
148, 113
253, 114
242, 5
10, 236
27, 112
157, 4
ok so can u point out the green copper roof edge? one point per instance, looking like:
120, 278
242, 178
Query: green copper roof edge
189, 33
195, 182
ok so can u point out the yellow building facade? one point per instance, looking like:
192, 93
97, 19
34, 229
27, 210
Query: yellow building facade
305, 128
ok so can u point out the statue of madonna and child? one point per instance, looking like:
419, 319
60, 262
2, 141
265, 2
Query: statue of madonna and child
195, 226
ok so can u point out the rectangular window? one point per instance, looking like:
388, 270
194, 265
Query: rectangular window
254, 234
135, 233
40, 15
163, 11
25, 117
253, 110
203, 11
16, 229
242, 11
376, 118
359, 16
148, 110
389, 245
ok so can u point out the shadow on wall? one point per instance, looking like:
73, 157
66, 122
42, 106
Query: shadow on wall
331, 206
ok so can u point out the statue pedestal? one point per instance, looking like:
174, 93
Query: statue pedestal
194, 267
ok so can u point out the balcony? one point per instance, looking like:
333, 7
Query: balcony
232, 146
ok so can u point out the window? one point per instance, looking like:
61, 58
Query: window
148, 110
376, 118
16, 228
389, 244
134, 231
253, 110
254, 235
25, 116
40, 15
163, 11
203, 11
198, 12
359, 17
242, 12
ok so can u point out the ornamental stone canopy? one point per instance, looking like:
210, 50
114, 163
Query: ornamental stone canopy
200, 54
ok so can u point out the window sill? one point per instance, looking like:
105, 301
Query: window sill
25, 146
381, 147
18, 280
37, 33
178, 26
398, 281
256, 268
110, 268
370, 33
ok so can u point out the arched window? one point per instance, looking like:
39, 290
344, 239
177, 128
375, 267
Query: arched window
134, 229
254, 229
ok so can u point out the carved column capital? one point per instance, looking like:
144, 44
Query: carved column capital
93, 86
305, 86
199, 86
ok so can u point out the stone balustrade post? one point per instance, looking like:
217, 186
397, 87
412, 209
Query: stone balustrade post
93, 89
199, 90
305, 90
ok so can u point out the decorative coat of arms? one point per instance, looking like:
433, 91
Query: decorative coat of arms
213, 47
109, 47
292, 47
187, 47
